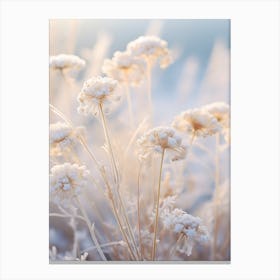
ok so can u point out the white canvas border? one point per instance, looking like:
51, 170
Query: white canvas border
255, 138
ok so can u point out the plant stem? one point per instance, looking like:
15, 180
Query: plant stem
91, 231
116, 174
129, 104
138, 212
217, 182
173, 250
157, 208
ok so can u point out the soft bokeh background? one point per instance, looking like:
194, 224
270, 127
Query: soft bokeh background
199, 75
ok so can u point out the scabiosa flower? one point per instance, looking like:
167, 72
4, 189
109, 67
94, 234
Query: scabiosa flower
98, 91
151, 48
63, 137
66, 182
191, 227
220, 111
66, 62
197, 122
161, 139
125, 68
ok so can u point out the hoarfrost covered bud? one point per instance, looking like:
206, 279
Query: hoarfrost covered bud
126, 68
98, 91
161, 139
191, 227
66, 182
197, 122
66, 61
63, 137
152, 49
220, 111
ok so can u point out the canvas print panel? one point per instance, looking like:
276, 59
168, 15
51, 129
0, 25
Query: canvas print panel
139, 140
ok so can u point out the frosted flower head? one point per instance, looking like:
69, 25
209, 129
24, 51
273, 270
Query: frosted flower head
98, 91
220, 111
67, 181
125, 68
66, 62
161, 139
152, 49
197, 122
191, 227
63, 137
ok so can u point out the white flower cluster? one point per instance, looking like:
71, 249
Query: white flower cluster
151, 48
98, 91
161, 139
191, 227
197, 122
220, 111
63, 137
66, 181
125, 68
66, 61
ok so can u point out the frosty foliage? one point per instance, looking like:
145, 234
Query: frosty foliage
152, 49
67, 181
125, 68
161, 139
98, 91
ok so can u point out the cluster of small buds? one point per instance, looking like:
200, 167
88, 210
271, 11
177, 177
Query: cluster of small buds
66, 182
66, 62
220, 111
98, 91
151, 48
63, 137
125, 68
197, 122
191, 227
161, 139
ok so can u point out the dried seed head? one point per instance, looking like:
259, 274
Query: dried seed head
152, 49
66, 61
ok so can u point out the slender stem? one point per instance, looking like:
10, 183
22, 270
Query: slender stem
149, 86
138, 212
114, 243
116, 174
129, 103
157, 208
65, 216
91, 231
217, 182
173, 250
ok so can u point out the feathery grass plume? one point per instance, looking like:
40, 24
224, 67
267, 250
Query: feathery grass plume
125, 68
66, 182
188, 227
197, 122
98, 91
63, 137
151, 48
161, 139
66, 62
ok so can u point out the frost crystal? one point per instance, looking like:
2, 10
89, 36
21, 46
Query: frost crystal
161, 139
126, 68
66, 181
98, 91
151, 48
